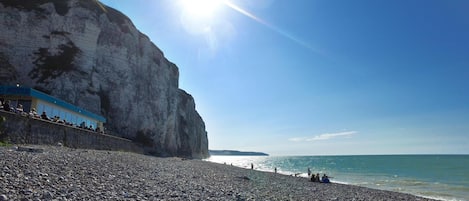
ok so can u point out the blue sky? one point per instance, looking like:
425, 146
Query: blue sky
306, 77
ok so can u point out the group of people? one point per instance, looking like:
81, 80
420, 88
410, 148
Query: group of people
6, 106
317, 178
44, 116
57, 119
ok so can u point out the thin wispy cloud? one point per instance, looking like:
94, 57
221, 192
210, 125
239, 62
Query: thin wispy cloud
324, 136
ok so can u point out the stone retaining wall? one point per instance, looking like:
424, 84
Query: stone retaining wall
18, 129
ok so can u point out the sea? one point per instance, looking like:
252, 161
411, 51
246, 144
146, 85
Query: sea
442, 177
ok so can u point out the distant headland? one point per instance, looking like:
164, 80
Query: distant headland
236, 153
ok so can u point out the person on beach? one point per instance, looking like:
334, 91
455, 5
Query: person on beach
252, 166
309, 172
313, 178
275, 170
325, 179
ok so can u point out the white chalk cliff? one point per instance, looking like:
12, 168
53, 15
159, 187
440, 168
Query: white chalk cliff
93, 56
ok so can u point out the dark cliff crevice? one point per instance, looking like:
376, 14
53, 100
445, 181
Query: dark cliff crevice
105, 102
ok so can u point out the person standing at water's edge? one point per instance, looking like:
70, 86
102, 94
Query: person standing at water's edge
252, 166
309, 172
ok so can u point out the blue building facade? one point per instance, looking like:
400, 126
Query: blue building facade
30, 98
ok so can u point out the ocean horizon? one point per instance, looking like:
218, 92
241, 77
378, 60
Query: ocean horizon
443, 177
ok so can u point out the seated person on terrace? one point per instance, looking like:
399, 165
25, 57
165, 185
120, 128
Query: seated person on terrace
33, 113
58, 120
44, 116
82, 125
6, 106
20, 110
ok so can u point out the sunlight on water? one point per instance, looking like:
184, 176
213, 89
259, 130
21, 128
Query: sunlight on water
240, 161
440, 177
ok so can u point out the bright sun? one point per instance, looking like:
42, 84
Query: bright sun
201, 8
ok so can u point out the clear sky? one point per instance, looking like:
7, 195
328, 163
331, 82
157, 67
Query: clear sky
309, 77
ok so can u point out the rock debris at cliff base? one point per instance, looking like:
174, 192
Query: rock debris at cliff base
59, 173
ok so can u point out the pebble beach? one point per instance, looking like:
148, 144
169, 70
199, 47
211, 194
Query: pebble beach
60, 173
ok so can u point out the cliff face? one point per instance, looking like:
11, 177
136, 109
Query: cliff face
93, 56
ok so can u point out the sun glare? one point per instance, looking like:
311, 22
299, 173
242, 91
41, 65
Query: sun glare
201, 8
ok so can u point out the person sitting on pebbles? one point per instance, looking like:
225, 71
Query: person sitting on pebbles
325, 179
317, 178
313, 178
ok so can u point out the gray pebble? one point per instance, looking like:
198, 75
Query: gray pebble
60, 173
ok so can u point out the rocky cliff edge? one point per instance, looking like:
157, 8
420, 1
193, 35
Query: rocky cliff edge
92, 56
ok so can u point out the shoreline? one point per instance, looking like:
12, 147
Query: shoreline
344, 172
304, 175
68, 174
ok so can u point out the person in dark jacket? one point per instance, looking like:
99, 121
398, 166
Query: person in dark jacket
6, 106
